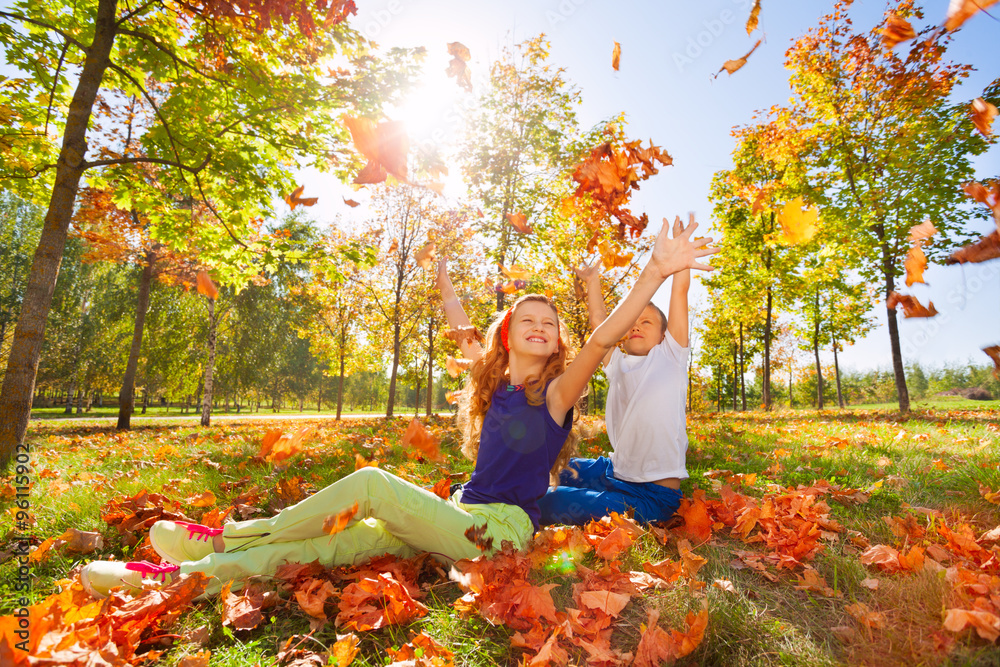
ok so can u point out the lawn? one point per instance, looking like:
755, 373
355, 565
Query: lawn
832, 538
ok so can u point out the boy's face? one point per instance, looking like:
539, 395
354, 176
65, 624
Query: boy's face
534, 330
645, 334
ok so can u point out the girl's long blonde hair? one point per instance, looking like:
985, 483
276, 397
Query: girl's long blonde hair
493, 368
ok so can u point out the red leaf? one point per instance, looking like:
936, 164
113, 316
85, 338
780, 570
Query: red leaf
896, 30
519, 221
911, 307
335, 523
733, 65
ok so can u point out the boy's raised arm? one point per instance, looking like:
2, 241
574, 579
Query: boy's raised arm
677, 313
454, 312
670, 256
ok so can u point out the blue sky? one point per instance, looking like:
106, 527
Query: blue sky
670, 51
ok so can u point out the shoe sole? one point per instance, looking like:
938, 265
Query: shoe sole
85, 580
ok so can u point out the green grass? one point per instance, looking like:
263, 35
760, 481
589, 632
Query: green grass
937, 459
153, 412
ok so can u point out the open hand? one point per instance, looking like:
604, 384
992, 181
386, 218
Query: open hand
588, 273
671, 255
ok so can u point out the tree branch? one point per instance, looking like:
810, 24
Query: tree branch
54, 29
55, 82
173, 56
153, 160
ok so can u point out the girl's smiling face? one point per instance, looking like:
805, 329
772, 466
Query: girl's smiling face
645, 334
534, 330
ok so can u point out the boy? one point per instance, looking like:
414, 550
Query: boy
647, 392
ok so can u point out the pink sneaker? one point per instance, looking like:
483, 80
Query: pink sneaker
101, 576
179, 541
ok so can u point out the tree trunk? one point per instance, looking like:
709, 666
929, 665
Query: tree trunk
430, 366
127, 401
69, 396
743, 373
736, 384
395, 370
767, 353
819, 368
340, 382
836, 368
206, 397
22, 362
902, 394
145, 399
79, 401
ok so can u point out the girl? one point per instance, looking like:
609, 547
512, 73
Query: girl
516, 417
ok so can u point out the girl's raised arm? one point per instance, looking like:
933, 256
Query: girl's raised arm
454, 312
670, 255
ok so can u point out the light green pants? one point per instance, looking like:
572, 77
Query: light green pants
394, 517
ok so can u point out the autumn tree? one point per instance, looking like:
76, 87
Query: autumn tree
235, 97
519, 145
884, 146
20, 225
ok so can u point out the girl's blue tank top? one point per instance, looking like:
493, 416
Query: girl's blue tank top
517, 449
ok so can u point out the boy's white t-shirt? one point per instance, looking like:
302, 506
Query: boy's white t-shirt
645, 414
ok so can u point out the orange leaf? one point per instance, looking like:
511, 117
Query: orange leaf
960, 11
456, 367
385, 146
697, 522
984, 249
335, 523
924, 230
519, 221
418, 438
797, 221
983, 114
614, 544
295, 199
754, 17
344, 650
373, 603
205, 285
80, 542
915, 264
896, 30
607, 601
442, 489
458, 66
866, 616
313, 595
986, 624
426, 256
911, 307
351, 202
452, 397
515, 272
477, 535
205, 499
267, 444
199, 659
993, 352
616, 56
464, 334
733, 65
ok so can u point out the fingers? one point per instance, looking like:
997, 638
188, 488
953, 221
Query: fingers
702, 267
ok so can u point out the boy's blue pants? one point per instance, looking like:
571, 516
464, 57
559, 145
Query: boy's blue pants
595, 492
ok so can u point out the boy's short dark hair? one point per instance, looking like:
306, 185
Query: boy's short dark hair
663, 318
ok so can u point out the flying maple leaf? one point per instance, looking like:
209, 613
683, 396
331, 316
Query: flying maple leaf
206, 287
611, 258
754, 17
519, 221
982, 250
456, 367
911, 307
515, 272
452, 397
335, 523
993, 352
616, 56
421, 441
465, 334
797, 221
733, 65
960, 11
426, 256
915, 264
509, 287
477, 535
351, 202
924, 230
296, 199
983, 114
442, 488
384, 145
458, 67
896, 30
